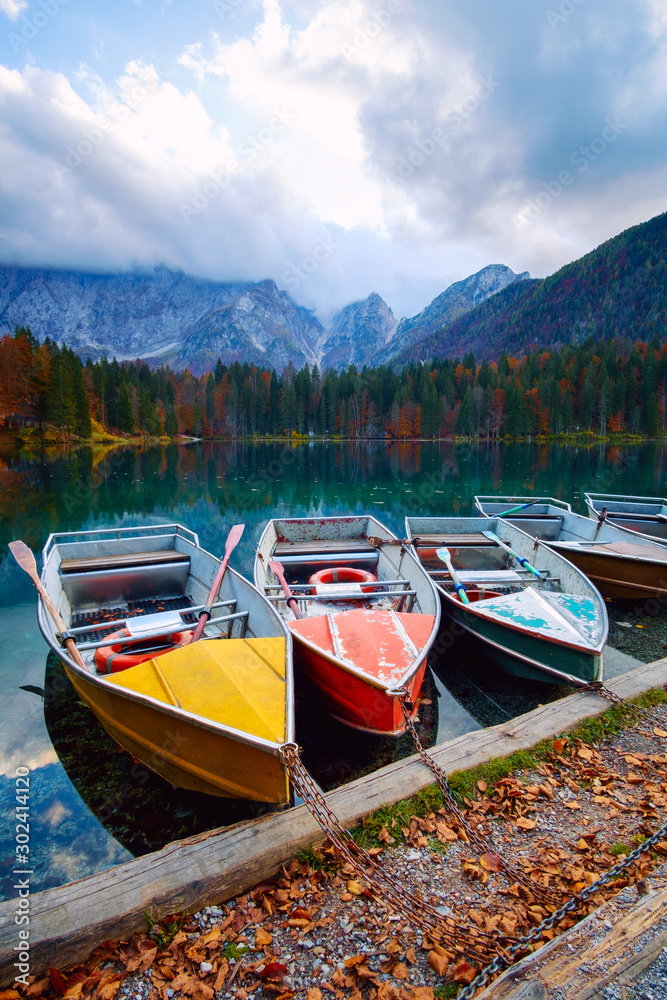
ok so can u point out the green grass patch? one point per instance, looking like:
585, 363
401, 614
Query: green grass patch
617, 849
235, 951
447, 992
164, 931
317, 862
617, 718
464, 783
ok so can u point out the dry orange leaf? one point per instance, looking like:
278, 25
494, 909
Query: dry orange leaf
108, 986
572, 804
491, 861
387, 991
262, 937
57, 981
438, 963
314, 994
400, 971
482, 785
212, 935
221, 975
585, 753
423, 993
9, 994
356, 888
659, 732
354, 960
523, 824
464, 973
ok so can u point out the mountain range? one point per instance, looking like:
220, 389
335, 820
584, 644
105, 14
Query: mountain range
617, 290
165, 316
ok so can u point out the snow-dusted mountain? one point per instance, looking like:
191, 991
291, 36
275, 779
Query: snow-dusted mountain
167, 316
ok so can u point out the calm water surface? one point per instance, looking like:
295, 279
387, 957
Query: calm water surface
87, 812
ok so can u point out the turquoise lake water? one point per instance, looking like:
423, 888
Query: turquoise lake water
77, 771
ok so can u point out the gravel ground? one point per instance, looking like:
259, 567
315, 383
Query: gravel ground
316, 932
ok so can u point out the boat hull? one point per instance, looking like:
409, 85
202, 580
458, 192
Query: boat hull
354, 670
617, 577
183, 753
523, 654
351, 699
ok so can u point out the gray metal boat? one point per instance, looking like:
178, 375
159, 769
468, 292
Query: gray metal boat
621, 564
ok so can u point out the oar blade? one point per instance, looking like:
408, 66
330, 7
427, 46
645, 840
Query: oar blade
233, 539
24, 557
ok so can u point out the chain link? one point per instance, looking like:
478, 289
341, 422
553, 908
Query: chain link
464, 939
597, 687
481, 843
572, 904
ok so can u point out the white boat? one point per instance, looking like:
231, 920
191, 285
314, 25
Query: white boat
645, 516
536, 614
210, 715
620, 564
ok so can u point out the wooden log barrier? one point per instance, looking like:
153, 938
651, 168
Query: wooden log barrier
615, 944
67, 922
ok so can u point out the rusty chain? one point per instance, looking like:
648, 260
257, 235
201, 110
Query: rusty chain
464, 939
480, 842
511, 952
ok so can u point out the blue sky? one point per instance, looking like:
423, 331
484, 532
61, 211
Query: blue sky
338, 147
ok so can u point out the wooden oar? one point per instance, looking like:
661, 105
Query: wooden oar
523, 506
26, 561
444, 555
280, 574
233, 539
522, 561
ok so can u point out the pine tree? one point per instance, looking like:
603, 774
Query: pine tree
124, 417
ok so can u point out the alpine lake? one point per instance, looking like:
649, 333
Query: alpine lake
87, 811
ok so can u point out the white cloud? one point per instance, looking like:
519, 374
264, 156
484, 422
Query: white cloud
12, 8
411, 135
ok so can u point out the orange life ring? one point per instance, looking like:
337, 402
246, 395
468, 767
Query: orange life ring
112, 659
343, 574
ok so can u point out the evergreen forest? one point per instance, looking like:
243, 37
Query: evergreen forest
613, 387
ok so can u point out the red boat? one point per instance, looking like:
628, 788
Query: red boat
362, 610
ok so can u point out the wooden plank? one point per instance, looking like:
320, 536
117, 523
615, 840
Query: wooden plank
158, 557
67, 922
323, 546
612, 945
471, 539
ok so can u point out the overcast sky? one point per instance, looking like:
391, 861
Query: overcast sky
338, 147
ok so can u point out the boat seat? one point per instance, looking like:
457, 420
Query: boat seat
157, 558
448, 540
482, 575
323, 547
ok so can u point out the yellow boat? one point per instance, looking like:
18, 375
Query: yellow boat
209, 716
